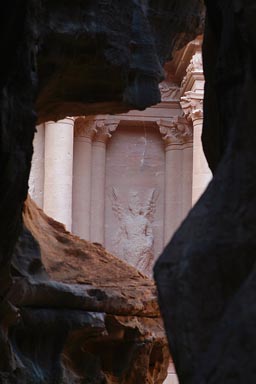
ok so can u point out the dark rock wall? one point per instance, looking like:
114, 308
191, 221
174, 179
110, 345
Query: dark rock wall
17, 120
78, 324
74, 58
17, 125
96, 56
174, 23
206, 275
106, 56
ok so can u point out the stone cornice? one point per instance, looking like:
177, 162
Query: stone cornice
192, 105
176, 131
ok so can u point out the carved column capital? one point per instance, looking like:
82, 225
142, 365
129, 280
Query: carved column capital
176, 132
84, 127
192, 105
97, 129
104, 128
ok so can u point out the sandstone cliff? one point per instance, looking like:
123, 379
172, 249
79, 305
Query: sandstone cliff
84, 315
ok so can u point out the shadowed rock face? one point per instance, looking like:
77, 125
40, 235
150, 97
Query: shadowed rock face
107, 56
62, 58
206, 275
85, 316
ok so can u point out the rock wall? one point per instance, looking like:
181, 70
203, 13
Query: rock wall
206, 277
18, 81
106, 56
84, 315
73, 59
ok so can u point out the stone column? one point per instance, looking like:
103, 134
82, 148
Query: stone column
192, 104
82, 170
59, 170
176, 135
192, 91
103, 133
187, 175
36, 178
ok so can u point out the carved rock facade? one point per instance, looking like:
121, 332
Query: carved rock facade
127, 189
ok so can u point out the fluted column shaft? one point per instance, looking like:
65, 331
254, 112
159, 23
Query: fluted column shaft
201, 172
187, 177
59, 170
103, 130
192, 104
177, 137
98, 191
173, 191
82, 170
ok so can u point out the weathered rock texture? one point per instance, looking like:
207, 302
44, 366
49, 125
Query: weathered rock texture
206, 275
107, 56
81, 57
85, 316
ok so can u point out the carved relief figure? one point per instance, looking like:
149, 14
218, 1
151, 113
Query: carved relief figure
169, 91
134, 240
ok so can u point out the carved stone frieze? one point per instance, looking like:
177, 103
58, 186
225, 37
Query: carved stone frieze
192, 105
176, 131
169, 91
